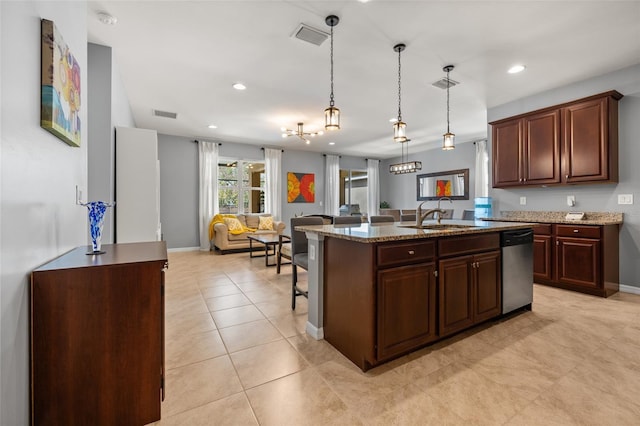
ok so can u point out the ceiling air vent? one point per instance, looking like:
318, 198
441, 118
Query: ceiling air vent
442, 83
165, 114
310, 35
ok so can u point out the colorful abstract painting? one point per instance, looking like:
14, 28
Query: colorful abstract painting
443, 188
301, 187
60, 87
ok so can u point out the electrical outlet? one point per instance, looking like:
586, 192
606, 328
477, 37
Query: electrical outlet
312, 252
625, 198
523, 201
571, 200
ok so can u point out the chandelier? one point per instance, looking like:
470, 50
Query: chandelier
299, 132
405, 166
332, 114
448, 139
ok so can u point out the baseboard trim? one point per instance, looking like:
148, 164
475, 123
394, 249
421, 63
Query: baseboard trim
179, 249
313, 331
629, 289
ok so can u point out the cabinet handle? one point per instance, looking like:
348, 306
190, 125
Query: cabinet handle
557, 243
566, 177
412, 252
576, 231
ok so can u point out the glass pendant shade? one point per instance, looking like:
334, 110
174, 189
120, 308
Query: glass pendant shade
400, 131
332, 118
448, 141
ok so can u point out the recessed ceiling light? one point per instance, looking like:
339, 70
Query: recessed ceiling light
516, 69
332, 143
212, 126
107, 19
239, 86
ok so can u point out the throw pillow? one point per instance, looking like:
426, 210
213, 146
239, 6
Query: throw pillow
233, 224
266, 223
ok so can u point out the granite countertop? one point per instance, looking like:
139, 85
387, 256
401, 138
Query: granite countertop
367, 233
590, 218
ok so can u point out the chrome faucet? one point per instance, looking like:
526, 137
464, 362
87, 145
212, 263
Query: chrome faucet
421, 216
444, 198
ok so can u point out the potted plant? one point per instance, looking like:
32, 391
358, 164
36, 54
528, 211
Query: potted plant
384, 205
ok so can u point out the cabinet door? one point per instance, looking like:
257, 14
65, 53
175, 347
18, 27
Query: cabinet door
542, 257
541, 156
456, 297
487, 286
507, 147
406, 308
585, 149
578, 261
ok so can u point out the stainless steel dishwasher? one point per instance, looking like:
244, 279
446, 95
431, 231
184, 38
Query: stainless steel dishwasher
517, 269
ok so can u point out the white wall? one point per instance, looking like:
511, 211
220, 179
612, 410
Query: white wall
38, 216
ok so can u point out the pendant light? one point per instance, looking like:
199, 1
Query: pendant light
332, 114
449, 139
405, 166
399, 127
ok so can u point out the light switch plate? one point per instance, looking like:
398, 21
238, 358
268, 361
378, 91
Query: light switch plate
625, 198
523, 201
571, 200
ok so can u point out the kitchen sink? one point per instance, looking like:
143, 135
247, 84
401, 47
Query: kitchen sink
438, 226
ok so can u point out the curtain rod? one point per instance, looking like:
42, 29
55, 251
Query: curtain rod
196, 141
324, 155
282, 150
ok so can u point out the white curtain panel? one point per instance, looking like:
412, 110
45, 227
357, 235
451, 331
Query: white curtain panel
482, 169
332, 185
208, 191
373, 187
273, 181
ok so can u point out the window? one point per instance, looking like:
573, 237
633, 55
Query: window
241, 186
353, 192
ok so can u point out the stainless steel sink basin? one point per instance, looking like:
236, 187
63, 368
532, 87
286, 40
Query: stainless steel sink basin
438, 226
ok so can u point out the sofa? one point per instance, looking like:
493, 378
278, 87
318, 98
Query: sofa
225, 240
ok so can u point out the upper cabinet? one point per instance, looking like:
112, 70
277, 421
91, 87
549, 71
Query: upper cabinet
576, 142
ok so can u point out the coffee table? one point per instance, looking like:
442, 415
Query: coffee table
269, 240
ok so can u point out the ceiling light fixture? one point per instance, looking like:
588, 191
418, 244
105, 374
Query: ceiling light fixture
239, 86
449, 139
332, 114
212, 126
516, 69
399, 127
299, 132
405, 166
107, 19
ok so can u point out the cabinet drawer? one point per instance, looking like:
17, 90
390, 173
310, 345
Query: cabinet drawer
578, 231
542, 229
469, 244
404, 253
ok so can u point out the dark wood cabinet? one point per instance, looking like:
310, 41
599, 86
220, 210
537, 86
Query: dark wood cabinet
542, 246
590, 149
470, 284
577, 257
97, 336
572, 143
527, 150
406, 308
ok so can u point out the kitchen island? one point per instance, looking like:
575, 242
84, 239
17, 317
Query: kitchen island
379, 291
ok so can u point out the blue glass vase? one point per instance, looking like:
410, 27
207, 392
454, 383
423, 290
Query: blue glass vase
97, 210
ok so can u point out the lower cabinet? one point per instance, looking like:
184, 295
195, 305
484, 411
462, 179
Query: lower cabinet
406, 308
390, 298
97, 336
583, 258
470, 291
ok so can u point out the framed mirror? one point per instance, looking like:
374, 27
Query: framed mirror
452, 183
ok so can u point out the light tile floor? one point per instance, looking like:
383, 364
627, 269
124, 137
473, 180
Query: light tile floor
237, 355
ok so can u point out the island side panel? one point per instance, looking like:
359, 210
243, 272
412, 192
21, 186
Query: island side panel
349, 299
